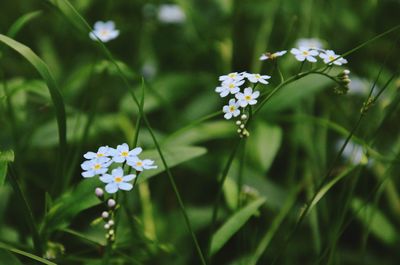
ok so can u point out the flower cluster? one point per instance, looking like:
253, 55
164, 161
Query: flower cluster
98, 164
308, 50
231, 84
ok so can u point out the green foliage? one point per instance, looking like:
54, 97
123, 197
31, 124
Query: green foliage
291, 192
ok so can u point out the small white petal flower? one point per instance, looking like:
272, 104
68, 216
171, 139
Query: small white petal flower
235, 76
328, 56
169, 13
95, 166
140, 165
104, 31
312, 43
229, 86
248, 97
254, 78
122, 153
232, 109
103, 151
304, 53
117, 181
272, 56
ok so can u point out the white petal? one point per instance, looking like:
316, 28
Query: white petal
300, 57
224, 93
311, 59
248, 91
125, 186
90, 155
236, 113
256, 94
136, 151
118, 159
88, 174
86, 165
243, 103
263, 81
239, 96
225, 109
118, 172
111, 187
228, 115
252, 102
128, 177
106, 178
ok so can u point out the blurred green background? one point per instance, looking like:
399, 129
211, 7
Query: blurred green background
292, 144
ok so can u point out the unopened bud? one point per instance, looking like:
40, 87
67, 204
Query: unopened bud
105, 215
107, 226
111, 223
238, 122
111, 203
243, 117
99, 192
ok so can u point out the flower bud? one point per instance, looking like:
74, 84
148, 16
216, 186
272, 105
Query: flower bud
107, 226
346, 71
243, 117
239, 131
238, 122
111, 223
105, 215
242, 126
111, 203
99, 192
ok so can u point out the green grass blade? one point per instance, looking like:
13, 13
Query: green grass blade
55, 94
26, 254
234, 223
21, 22
26, 210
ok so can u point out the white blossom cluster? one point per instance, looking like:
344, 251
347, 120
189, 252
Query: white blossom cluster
231, 85
309, 50
98, 164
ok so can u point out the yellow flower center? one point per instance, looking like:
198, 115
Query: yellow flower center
231, 108
97, 166
258, 76
104, 32
139, 163
124, 153
305, 53
100, 155
232, 75
247, 97
331, 58
117, 179
231, 86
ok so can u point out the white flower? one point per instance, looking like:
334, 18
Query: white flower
122, 153
229, 86
232, 109
272, 56
95, 166
235, 76
254, 78
328, 56
140, 165
117, 181
304, 53
103, 151
171, 14
312, 43
248, 97
105, 31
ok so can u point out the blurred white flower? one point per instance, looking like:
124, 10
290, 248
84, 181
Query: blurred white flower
271, 56
229, 86
311, 43
232, 109
169, 13
352, 152
104, 31
248, 97
140, 165
328, 56
95, 166
304, 53
254, 78
122, 153
117, 181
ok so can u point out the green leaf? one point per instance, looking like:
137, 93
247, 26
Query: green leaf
231, 193
7, 258
56, 97
21, 22
173, 155
65, 208
372, 217
26, 254
264, 143
201, 133
221, 237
